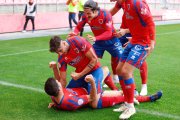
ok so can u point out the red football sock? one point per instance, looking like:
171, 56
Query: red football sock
129, 88
111, 101
109, 82
144, 72
143, 98
121, 81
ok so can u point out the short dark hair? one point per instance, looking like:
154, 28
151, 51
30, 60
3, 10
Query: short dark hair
91, 4
51, 87
54, 43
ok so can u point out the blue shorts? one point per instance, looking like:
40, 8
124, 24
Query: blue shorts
113, 46
98, 77
123, 39
134, 54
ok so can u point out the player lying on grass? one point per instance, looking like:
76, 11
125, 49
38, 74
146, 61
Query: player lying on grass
74, 98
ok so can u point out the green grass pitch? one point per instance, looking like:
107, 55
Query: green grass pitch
24, 62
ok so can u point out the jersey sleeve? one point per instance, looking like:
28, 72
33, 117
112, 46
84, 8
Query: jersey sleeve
74, 102
146, 17
80, 24
62, 65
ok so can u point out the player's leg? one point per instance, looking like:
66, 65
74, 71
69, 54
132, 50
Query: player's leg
144, 77
121, 80
111, 98
98, 77
116, 50
127, 74
109, 82
151, 98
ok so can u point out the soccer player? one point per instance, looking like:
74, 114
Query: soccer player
124, 35
102, 27
74, 98
138, 20
78, 53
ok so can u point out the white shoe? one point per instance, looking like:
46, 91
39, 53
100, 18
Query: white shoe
115, 79
105, 86
143, 90
136, 101
23, 31
136, 93
122, 108
128, 113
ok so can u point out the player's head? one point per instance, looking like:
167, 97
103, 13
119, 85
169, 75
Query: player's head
55, 44
90, 8
52, 87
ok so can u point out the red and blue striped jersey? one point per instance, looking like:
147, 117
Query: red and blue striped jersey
76, 55
73, 99
138, 19
101, 26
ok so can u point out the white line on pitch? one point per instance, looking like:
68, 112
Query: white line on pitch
167, 33
154, 113
23, 52
158, 114
21, 86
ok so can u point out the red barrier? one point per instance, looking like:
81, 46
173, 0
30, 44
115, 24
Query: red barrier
15, 22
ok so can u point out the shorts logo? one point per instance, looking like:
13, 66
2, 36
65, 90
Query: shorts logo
138, 47
133, 57
116, 44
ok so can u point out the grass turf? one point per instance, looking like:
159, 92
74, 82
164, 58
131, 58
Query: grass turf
31, 69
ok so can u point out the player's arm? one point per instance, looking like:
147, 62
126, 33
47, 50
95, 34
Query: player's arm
115, 9
90, 54
53, 66
63, 79
78, 27
93, 93
147, 20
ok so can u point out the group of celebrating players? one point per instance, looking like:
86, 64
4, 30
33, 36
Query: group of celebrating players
128, 48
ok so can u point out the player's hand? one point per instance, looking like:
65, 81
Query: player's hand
120, 33
75, 75
52, 64
89, 78
91, 38
117, 34
50, 105
150, 48
71, 34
